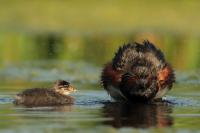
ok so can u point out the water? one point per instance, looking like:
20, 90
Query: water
93, 110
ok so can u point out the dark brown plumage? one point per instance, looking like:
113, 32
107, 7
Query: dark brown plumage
138, 72
58, 95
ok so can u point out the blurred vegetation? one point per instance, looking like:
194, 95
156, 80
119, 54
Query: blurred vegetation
100, 16
182, 52
92, 30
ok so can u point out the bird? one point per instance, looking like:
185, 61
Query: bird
138, 72
55, 96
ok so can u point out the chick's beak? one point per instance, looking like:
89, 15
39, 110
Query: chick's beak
71, 88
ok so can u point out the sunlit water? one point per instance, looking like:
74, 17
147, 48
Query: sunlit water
93, 110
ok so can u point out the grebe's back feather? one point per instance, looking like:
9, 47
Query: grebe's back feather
138, 58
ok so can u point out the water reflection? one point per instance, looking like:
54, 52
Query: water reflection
138, 115
65, 108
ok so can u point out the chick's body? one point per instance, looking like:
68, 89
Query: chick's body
46, 96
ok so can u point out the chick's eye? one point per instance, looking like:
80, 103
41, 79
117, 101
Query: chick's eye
66, 85
61, 87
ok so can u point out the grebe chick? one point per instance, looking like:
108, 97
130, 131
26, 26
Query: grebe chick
138, 72
58, 95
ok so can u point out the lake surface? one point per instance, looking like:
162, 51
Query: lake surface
93, 110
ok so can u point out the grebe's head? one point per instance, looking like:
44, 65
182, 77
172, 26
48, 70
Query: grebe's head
63, 87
